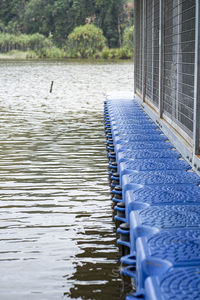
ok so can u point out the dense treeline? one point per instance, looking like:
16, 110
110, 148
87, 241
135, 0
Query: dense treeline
23, 42
85, 41
58, 18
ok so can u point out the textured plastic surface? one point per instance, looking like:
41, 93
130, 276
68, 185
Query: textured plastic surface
175, 284
142, 131
139, 138
113, 117
132, 126
176, 248
143, 145
148, 221
159, 178
146, 154
181, 246
162, 195
128, 122
152, 164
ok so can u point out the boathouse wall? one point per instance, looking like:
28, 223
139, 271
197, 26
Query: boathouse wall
166, 69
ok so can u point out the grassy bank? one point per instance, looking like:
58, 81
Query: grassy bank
18, 55
106, 54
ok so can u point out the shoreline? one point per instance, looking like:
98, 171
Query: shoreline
32, 56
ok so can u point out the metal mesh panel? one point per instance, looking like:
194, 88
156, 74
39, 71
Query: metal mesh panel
156, 53
152, 51
179, 54
138, 46
149, 50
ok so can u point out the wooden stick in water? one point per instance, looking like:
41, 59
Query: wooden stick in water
51, 88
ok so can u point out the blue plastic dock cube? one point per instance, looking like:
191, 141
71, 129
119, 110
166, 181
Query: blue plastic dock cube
139, 138
129, 166
128, 122
142, 132
168, 248
146, 154
153, 219
176, 283
124, 116
143, 145
161, 177
175, 194
133, 126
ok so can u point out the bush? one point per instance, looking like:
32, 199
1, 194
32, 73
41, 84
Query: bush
109, 53
124, 53
23, 42
16, 54
52, 52
127, 39
105, 53
121, 53
85, 41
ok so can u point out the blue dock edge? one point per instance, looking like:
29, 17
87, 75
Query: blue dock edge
157, 204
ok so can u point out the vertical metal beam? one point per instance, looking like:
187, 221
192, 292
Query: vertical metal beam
143, 50
134, 44
153, 34
196, 117
175, 104
161, 56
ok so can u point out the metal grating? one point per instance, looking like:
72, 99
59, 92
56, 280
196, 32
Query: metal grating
149, 50
152, 52
156, 53
179, 55
138, 46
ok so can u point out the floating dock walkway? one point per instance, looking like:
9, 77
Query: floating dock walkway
157, 197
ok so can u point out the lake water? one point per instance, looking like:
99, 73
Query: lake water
57, 235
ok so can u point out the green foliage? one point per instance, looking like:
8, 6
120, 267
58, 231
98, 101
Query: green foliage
108, 19
52, 52
2, 26
85, 41
23, 42
43, 25
38, 17
128, 38
120, 53
124, 53
16, 54
60, 17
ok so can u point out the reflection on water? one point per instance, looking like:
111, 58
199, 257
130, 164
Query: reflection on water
58, 239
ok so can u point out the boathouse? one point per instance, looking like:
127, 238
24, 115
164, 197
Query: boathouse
167, 69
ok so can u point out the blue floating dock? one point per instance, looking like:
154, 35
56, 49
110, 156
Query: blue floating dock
168, 248
157, 198
176, 283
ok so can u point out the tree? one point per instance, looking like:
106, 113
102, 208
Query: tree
85, 41
38, 17
60, 17
128, 38
12, 14
108, 12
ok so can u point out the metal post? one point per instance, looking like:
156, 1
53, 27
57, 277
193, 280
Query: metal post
196, 118
153, 34
161, 53
175, 104
135, 47
143, 50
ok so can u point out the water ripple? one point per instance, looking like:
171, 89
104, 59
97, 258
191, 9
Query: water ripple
58, 239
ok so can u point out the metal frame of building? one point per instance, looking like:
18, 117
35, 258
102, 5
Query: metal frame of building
167, 70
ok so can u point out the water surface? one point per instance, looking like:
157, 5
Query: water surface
58, 238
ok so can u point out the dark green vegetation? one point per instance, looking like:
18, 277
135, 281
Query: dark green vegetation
67, 28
